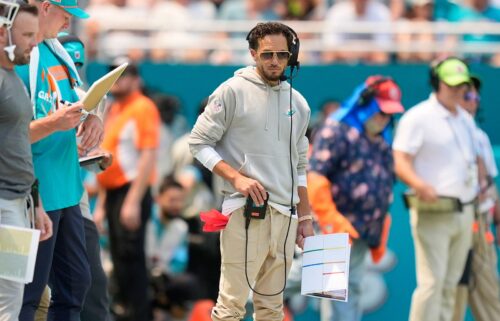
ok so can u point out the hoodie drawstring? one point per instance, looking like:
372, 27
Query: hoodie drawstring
267, 111
278, 109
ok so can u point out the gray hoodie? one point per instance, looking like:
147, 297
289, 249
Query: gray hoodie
247, 124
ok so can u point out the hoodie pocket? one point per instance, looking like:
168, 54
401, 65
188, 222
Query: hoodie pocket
273, 172
260, 167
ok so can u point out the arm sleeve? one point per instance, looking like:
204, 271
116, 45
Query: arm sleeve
302, 148
209, 157
409, 135
211, 126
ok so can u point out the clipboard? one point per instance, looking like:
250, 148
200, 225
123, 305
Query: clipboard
88, 160
18, 251
325, 266
101, 87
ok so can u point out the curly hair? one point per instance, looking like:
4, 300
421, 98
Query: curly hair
268, 28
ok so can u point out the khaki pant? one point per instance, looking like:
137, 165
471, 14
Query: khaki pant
14, 213
442, 242
265, 266
43, 308
482, 294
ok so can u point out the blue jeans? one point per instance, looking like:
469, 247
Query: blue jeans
351, 310
62, 262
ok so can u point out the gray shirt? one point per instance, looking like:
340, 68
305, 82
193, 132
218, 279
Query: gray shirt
16, 163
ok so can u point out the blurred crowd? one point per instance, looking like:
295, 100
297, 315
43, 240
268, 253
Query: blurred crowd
169, 39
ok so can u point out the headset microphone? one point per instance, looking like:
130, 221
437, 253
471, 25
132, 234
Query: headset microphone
7, 16
10, 48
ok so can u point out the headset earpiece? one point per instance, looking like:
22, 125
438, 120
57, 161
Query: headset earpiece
294, 49
433, 75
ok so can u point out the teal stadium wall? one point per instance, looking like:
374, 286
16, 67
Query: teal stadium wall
191, 83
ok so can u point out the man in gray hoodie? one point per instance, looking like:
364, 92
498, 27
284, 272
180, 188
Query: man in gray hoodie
252, 134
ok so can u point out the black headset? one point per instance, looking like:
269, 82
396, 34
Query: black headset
371, 91
294, 45
434, 70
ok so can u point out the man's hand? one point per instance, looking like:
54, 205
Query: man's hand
426, 193
304, 229
91, 131
67, 117
130, 215
106, 161
248, 186
43, 223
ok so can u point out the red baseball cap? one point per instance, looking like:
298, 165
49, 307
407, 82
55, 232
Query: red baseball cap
387, 94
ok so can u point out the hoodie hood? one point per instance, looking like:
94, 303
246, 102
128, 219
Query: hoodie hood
250, 73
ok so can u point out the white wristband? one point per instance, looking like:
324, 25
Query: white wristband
305, 218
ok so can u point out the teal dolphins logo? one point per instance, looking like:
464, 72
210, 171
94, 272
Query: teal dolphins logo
290, 112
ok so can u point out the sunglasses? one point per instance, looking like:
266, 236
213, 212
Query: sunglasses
281, 55
472, 96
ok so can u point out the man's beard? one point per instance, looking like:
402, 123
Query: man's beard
269, 76
272, 77
21, 60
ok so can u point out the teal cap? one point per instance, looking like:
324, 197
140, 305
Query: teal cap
74, 46
71, 6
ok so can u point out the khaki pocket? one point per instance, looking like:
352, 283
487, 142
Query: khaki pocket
233, 239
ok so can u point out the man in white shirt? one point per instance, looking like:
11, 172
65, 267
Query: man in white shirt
435, 154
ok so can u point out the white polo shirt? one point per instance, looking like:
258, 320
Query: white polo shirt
444, 147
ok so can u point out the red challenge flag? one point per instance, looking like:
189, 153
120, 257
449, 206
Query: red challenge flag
214, 220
